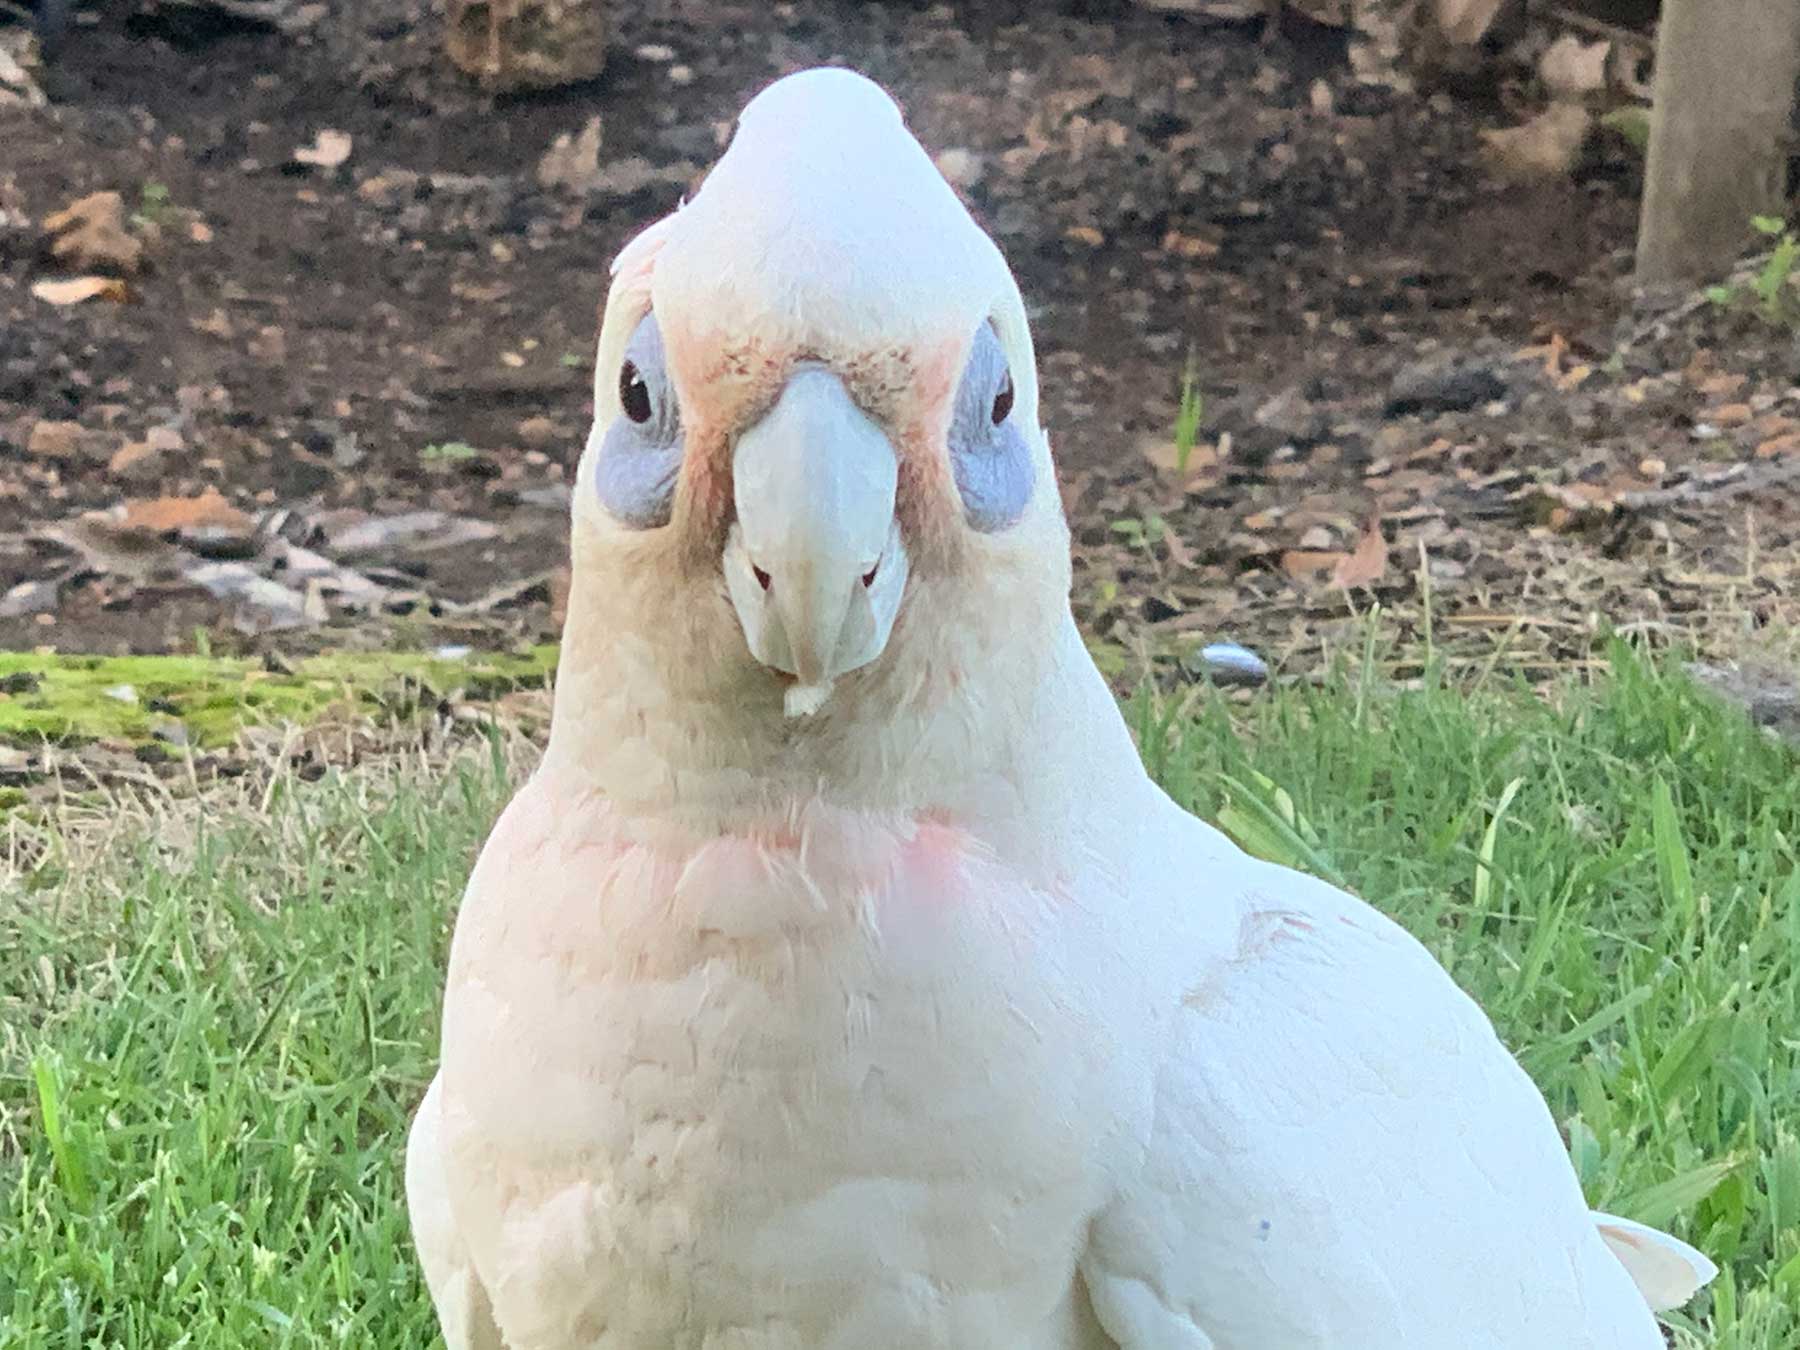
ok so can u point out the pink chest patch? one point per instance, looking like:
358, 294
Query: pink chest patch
826, 858
936, 861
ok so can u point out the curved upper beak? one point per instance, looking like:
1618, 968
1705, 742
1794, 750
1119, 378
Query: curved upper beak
814, 565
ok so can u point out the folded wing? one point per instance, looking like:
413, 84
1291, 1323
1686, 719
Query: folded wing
1344, 1155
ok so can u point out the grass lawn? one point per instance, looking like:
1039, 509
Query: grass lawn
214, 1021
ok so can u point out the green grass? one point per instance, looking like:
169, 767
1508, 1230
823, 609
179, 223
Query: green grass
233, 1030
71, 699
210, 1041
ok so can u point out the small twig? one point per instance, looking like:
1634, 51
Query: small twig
1751, 479
1514, 621
1698, 300
1587, 23
1742, 272
275, 13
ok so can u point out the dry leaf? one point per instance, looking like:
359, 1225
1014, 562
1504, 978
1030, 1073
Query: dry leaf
1551, 353
90, 234
538, 431
269, 344
1306, 564
16, 85
144, 459
1179, 553
1571, 68
129, 456
573, 160
1722, 385
165, 515
1564, 506
1428, 454
1367, 563
481, 295
1546, 146
1779, 445
1165, 457
1190, 246
55, 440
1328, 13
328, 150
217, 324
77, 289
1464, 22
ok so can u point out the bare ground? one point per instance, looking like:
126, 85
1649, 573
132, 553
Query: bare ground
1381, 326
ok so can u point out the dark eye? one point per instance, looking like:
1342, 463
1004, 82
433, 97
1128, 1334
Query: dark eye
1003, 401
634, 394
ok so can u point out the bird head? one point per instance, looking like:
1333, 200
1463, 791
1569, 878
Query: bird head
816, 509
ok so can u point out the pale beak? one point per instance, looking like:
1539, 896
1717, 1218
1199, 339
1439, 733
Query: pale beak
815, 565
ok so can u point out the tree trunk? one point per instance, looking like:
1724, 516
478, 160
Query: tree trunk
1725, 73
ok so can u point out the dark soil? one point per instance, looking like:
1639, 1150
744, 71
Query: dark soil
1165, 189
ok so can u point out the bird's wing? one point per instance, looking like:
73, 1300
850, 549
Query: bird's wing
457, 1292
1344, 1155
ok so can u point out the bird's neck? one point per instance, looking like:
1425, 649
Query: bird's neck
671, 718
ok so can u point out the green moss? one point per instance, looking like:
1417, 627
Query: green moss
1631, 124
73, 699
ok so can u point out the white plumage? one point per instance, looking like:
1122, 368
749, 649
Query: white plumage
927, 1019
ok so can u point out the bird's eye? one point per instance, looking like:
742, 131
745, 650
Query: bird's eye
638, 460
1003, 401
634, 394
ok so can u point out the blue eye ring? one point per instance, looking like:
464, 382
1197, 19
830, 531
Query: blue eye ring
638, 456
990, 453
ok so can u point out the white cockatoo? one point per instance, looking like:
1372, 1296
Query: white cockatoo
840, 979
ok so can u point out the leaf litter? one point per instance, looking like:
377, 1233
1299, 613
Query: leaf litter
1354, 289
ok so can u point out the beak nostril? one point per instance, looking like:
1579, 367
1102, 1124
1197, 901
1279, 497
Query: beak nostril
869, 576
762, 577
